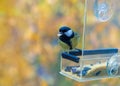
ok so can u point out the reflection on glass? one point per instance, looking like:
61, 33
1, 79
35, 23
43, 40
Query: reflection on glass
103, 9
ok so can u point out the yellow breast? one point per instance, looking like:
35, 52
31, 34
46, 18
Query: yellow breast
74, 41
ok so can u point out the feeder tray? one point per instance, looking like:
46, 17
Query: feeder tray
99, 55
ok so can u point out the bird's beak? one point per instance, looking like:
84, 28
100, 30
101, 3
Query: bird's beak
59, 34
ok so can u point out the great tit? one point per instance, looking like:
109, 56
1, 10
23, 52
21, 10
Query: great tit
68, 39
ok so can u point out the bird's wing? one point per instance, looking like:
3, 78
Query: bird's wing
75, 40
63, 45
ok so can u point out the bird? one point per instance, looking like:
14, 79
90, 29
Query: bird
67, 38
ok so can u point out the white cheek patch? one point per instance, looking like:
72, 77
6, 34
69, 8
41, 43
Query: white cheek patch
69, 33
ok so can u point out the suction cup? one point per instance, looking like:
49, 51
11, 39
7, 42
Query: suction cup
113, 65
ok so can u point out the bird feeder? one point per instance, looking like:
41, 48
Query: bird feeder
99, 56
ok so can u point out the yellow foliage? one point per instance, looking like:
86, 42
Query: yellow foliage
43, 83
7, 7
4, 35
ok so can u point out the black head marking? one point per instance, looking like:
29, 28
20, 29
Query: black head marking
64, 29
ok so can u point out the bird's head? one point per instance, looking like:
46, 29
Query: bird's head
65, 32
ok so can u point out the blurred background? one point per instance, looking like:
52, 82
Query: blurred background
29, 53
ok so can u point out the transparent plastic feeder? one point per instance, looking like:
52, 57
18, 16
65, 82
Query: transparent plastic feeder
99, 56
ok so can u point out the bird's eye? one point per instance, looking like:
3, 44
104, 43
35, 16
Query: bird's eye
64, 30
